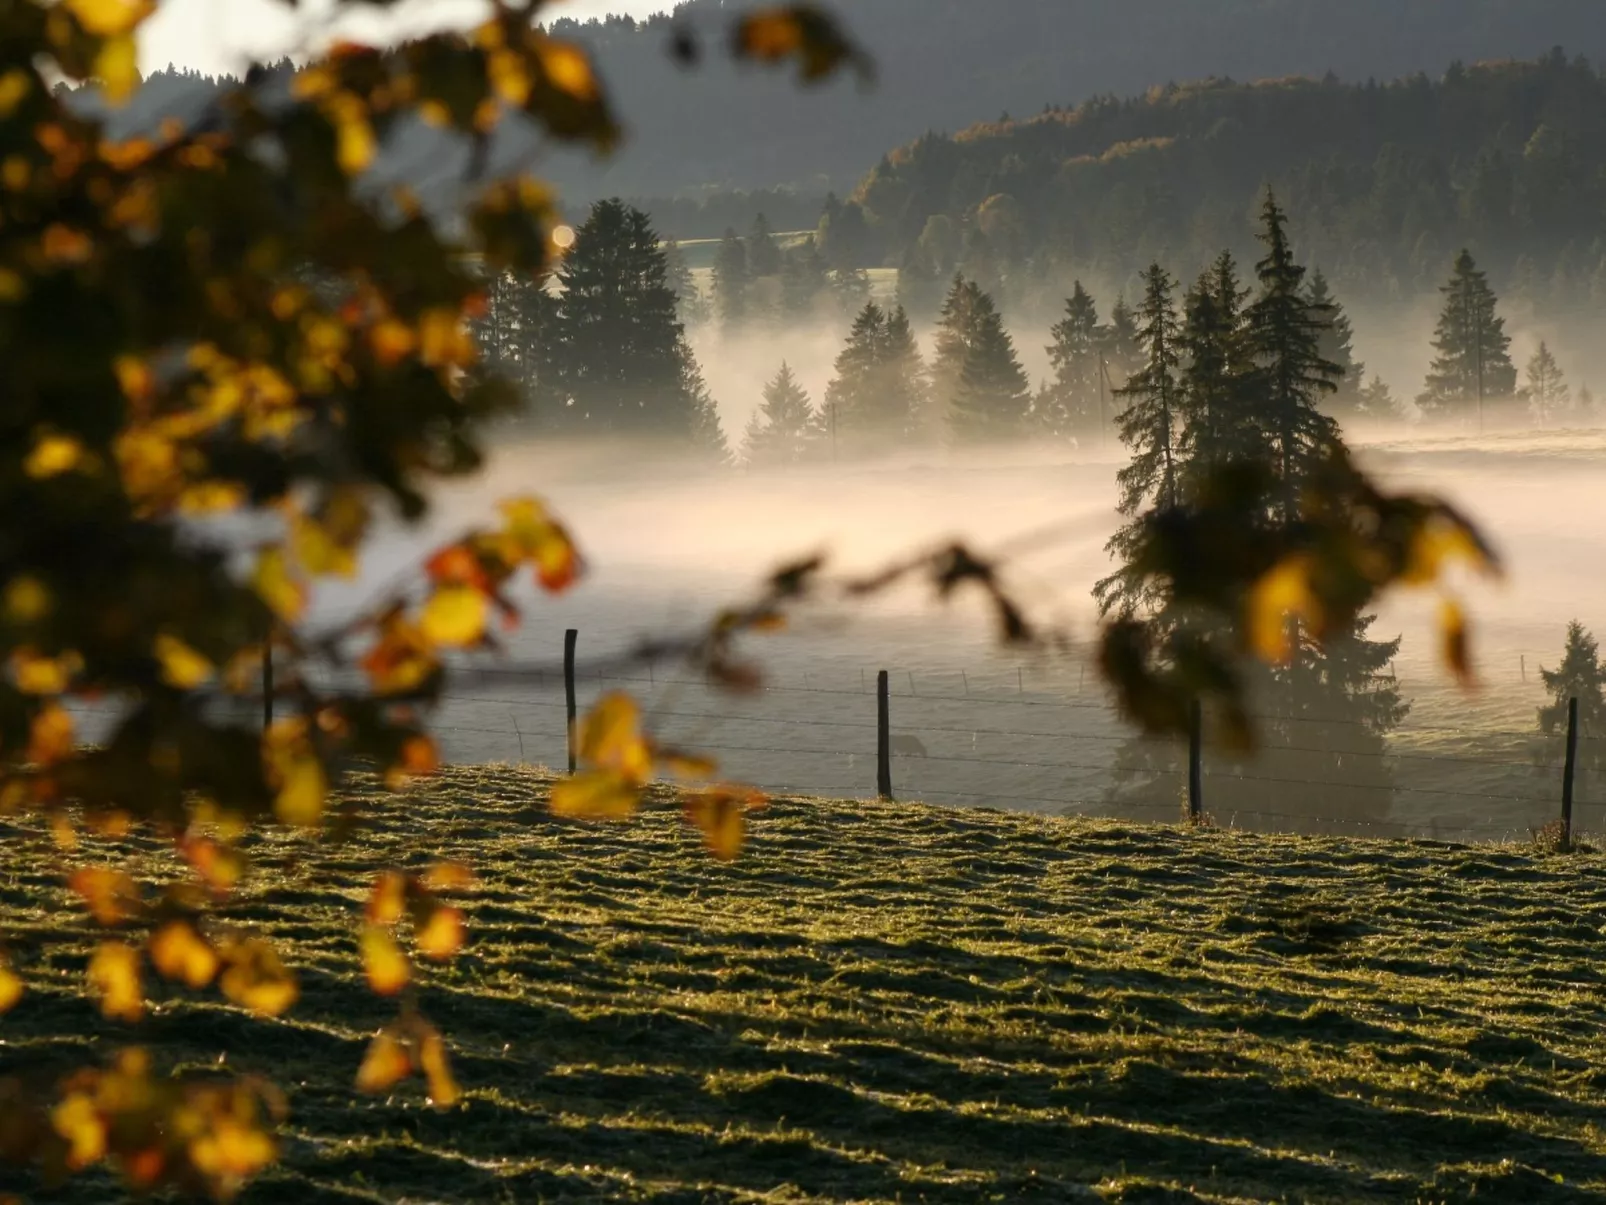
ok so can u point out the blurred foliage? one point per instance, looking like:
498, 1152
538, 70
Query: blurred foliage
227, 353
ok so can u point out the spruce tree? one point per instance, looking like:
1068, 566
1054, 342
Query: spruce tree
1472, 361
1074, 404
784, 430
805, 282
763, 253
1580, 676
1283, 337
514, 333
1337, 346
875, 398
1150, 405
905, 386
993, 396
693, 308
954, 333
1377, 401
1549, 396
619, 361
1217, 398
1123, 354
919, 284
732, 284
705, 437
850, 287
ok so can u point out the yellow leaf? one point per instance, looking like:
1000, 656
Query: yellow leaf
182, 666
448, 876
455, 616
77, 1120
1437, 542
26, 599
111, 895
275, 586
302, 792
256, 978
567, 69
385, 1063
114, 977
443, 339
14, 87
689, 766
596, 795
443, 1089
392, 341
610, 738
721, 814
384, 963
10, 987
355, 142
109, 18
1455, 641
419, 759
230, 1150
117, 66
36, 675
179, 952
441, 936
388, 900
53, 455
220, 866
1283, 591
505, 69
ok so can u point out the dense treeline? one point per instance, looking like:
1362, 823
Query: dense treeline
1387, 181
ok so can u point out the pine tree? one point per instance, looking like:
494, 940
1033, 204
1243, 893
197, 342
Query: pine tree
1283, 333
994, 394
784, 430
732, 284
805, 283
1337, 346
693, 308
1472, 365
1123, 355
1074, 404
876, 396
763, 253
919, 284
1580, 676
1549, 396
514, 333
1150, 404
1377, 401
954, 335
706, 435
850, 287
1217, 399
619, 361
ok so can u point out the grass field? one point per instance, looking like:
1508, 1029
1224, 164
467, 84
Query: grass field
893, 1002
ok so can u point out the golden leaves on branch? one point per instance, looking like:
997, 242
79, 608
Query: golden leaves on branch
114, 977
402, 1048
803, 32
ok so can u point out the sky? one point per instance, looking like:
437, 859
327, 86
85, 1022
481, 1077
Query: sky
215, 36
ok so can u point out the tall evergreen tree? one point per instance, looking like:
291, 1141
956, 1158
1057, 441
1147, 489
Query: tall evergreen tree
994, 394
805, 282
1217, 398
514, 333
919, 284
954, 336
1149, 419
784, 430
1472, 361
1123, 352
1283, 334
619, 359
876, 396
1074, 404
1580, 676
850, 287
1337, 346
705, 439
905, 382
692, 306
763, 253
732, 284
1549, 396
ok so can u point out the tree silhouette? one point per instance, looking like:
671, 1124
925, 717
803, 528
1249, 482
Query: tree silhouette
993, 395
1546, 390
1472, 352
784, 430
1075, 402
732, 284
1581, 676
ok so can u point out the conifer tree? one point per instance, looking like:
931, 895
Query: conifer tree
1123, 354
763, 253
875, 398
1217, 400
732, 284
1283, 333
1337, 346
1074, 403
850, 287
705, 438
619, 359
954, 332
905, 384
1472, 362
1549, 396
1377, 401
515, 331
1580, 676
919, 284
805, 282
993, 395
784, 430
693, 308
1150, 404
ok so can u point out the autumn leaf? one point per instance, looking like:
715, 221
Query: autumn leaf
432, 1059
385, 1063
179, 952
53, 455
568, 69
275, 585
111, 895
388, 900
256, 978
37, 675
610, 738
302, 793
596, 795
77, 1120
110, 18
455, 616
449, 876
114, 977
11, 988
1439, 541
1455, 641
688, 766
219, 866
1283, 591
721, 814
384, 963
182, 666
117, 67
441, 935
800, 31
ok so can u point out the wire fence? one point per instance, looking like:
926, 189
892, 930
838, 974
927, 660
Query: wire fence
1001, 739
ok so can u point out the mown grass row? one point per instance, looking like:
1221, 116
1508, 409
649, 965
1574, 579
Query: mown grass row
893, 1002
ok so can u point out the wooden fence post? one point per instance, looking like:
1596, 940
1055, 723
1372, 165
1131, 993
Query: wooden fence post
1567, 773
1195, 763
883, 735
569, 639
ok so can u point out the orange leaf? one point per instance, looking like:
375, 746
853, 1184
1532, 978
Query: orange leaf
50, 736
443, 1089
78, 1121
388, 899
385, 1063
442, 934
179, 952
256, 978
610, 738
721, 814
386, 966
1283, 591
448, 876
596, 795
1455, 641
111, 895
114, 977
220, 866
10, 987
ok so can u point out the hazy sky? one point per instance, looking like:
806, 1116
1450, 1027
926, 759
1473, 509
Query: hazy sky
221, 35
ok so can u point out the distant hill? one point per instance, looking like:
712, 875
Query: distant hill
946, 64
